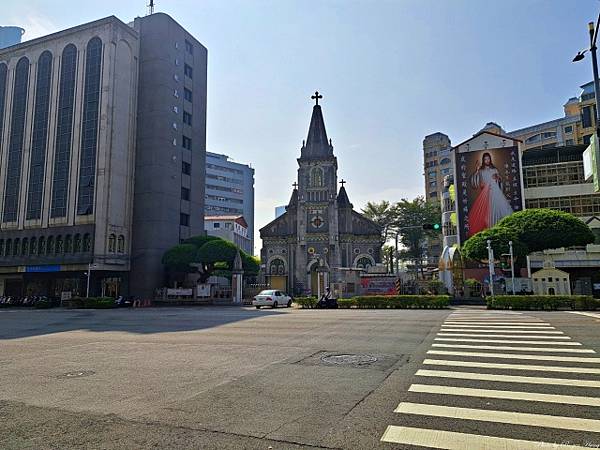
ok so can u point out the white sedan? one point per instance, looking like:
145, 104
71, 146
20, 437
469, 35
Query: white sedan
272, 298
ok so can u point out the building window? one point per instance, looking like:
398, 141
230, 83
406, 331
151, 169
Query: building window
186, 142
15, 142
41, 246
37, 165
121, 244
569, 142
186, 168
16, 247
187, 70
77, 243
277, 267
184, 219
433, 194
25, 247
112, 241
364, 263
189, 47
89, 127
3, 76
586, 117
586, 139
50, 246
187, 118
445, 161
68, 244
185, 194
216, 225
8, 248
187, 94
534, 138
316, 177
1, 247
59, 246
64, 131
568, 129
87, 243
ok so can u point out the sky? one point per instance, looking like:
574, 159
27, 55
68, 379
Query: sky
390, 73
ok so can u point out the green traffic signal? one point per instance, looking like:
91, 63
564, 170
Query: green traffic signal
431, 226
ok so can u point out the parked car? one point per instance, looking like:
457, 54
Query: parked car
272, 298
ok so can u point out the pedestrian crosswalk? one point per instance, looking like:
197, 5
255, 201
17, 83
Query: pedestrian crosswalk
501, 380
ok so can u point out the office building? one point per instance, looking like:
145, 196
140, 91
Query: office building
231, 228
229, 190
87, 179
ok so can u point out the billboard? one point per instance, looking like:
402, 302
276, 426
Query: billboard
488, 188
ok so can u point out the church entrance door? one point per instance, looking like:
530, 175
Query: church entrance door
278, 282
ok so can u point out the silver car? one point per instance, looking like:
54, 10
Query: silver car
272, 298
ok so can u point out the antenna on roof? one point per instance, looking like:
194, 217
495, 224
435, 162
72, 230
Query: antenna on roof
151, 7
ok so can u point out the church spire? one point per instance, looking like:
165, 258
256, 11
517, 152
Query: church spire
317, 145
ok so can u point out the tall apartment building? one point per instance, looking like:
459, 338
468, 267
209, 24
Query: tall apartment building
437, 165
94, 156
229, 190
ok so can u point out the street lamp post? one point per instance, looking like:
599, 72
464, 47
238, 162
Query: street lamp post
491, 265
593, 30
89, 273
512, 266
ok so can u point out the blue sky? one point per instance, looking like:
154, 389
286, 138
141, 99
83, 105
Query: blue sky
390, 72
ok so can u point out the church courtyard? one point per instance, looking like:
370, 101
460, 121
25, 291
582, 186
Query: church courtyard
226, 377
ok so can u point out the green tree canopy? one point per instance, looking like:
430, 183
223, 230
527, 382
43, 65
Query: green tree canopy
409, 217
541, 229
199, 241
179, 258
218, 250
476, 246
382, 214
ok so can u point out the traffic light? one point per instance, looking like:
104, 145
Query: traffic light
432, 226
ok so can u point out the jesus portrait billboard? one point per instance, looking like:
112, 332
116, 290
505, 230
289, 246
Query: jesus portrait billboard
488, 188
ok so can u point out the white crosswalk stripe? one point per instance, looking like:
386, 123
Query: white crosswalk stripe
510, 349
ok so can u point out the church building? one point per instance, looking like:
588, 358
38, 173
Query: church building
320, 240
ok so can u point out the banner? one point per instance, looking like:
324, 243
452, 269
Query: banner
488, 188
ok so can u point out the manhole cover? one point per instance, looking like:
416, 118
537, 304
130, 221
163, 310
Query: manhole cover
78, 374
354, 360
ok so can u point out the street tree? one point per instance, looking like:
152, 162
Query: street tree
475, 247
409, 218
382, 214
541, 229
177, 260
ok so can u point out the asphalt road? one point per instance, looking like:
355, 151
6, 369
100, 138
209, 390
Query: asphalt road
183, 378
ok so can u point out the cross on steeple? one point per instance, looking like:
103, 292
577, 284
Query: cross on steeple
295, 185
316, 97
343, 182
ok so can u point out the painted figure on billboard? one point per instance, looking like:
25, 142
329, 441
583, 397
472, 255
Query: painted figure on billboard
491, 204
488, 188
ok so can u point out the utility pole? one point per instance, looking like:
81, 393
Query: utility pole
89, 273
491, 265
512, 266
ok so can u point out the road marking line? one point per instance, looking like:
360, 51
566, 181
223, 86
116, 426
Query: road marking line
516, 356
516, 327
495, 323
451, 440
483, 365
505, 395
507, 378
503, 336
595, 315
513, 418
501, 341
521, 349
497, 330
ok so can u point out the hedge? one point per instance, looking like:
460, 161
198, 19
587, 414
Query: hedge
396, 301
383, 302
306, 302
90, 302
543, 302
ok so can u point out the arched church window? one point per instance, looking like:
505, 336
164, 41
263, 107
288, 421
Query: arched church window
277, 267
364, 263
316, 177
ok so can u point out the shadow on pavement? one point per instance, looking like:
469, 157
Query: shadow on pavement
19, 323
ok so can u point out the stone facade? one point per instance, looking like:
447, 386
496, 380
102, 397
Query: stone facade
319, 236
